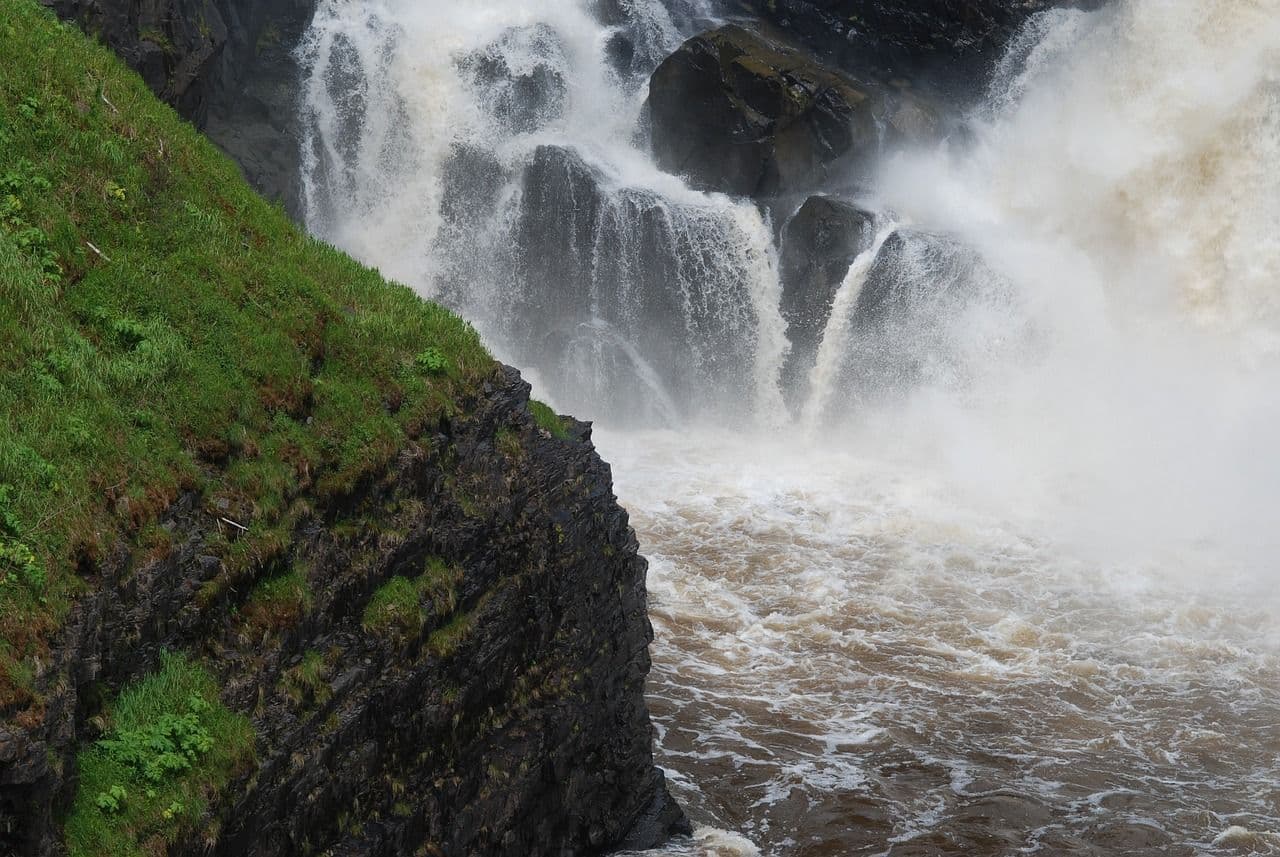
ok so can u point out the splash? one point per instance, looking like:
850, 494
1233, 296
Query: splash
1124, 180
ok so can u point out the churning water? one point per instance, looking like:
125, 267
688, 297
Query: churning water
1006, 582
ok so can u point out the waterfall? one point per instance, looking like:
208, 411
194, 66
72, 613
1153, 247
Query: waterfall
489, 159
835, 339
1013, 558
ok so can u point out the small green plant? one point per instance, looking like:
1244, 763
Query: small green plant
432, 361
171, 745
19, 565
112, 800
29, 107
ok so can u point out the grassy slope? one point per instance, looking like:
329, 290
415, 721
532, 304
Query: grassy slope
205, 344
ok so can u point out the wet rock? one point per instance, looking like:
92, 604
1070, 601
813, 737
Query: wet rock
926, 304
817, 245
736, 112
619, 290
955, 39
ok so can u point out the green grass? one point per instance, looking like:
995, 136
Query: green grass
401, 605
308, 680
165, 330
548, 420
395, 609
172, 745
279, 602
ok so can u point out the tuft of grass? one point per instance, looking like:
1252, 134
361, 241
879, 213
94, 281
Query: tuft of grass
508, 443
401, 605
548, 420
308, 680
394, 610
165, 330
279, 602
172, 746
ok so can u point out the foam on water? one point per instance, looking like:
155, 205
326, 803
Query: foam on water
850, 661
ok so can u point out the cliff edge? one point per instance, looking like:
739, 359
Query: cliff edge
288, 563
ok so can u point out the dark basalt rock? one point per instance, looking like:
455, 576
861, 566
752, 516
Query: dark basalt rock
527, 735
736, 112
226, 65
619, 290
817, 245
954, 40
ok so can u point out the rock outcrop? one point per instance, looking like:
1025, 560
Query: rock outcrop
955, 40
509, 720
817, 245
744, 114
226, 65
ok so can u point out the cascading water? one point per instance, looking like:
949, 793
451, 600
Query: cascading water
1006, 583
488, 158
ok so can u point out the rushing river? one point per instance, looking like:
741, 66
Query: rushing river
1026, 603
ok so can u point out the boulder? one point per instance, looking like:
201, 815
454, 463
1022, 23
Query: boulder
924, 307
907, 36
740, 113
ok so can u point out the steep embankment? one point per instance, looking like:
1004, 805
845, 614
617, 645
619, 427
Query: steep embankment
287, 562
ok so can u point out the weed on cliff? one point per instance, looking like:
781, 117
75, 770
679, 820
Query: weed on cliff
548, 420
171, 747
402, 605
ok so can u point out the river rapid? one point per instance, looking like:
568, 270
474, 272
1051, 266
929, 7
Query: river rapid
1026, 605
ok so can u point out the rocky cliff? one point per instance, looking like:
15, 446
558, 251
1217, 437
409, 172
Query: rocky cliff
504, 715
288, 563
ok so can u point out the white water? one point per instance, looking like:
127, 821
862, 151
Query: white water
1025, 603
825, 376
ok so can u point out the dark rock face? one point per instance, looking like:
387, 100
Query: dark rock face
736, 112
907, 36
818, 244
527, 734
227, 65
